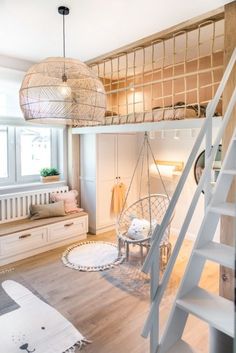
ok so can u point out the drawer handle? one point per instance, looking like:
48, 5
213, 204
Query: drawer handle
68, 224
24, 236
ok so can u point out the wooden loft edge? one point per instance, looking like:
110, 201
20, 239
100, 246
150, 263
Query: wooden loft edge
183, 124
216, 14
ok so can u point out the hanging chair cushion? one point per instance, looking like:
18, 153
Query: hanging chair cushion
140, 229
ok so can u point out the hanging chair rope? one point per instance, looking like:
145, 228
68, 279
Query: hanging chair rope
152, 208
141, 175
141, 157
131, 182
149, 186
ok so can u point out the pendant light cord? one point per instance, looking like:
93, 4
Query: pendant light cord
64, 77
64, 11
64, 37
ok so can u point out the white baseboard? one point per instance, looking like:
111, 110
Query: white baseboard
101, 229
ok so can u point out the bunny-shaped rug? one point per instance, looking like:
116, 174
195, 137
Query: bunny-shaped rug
35, 326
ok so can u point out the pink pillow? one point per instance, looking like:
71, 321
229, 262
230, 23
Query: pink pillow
69, 198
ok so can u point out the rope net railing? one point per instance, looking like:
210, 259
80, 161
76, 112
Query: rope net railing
172, 78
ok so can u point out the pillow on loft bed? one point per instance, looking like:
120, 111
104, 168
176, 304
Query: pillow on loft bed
70, 200
182, 110
56, 209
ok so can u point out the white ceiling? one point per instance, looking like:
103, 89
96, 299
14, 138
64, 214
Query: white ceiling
32, 29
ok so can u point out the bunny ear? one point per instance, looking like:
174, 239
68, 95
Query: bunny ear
18, 293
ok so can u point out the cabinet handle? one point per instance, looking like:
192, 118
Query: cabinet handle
24, 236
68, 224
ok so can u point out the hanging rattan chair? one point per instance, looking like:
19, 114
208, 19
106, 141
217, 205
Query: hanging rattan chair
150, 208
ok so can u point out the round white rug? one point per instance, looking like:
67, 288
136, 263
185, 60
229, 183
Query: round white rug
92, 256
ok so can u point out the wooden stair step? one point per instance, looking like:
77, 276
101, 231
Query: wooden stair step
224, 208
219, 253
215, 310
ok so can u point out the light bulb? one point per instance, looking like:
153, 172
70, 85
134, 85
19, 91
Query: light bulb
176, 135
65, 90
152, 135
131, 87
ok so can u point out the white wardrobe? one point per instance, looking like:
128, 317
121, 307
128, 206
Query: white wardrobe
105, 159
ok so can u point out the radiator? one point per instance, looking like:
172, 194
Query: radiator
16, 206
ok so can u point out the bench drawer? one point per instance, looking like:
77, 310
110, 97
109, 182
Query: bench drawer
23, 241
67, 229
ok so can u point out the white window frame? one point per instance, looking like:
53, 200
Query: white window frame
10, 157
58, 156
54, 157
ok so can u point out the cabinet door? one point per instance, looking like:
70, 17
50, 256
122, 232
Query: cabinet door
104, 218
106, 171
126, 154
126, 160
106, 157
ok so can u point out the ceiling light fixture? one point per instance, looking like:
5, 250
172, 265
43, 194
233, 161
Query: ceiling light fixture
193, 133
176, 135
152, 135
131, 87
62, 90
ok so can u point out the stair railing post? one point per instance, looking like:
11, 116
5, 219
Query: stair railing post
155, 274
208, 151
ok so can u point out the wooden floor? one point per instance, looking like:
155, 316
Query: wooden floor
106, 314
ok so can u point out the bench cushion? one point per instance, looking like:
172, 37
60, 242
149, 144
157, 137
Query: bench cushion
26, 223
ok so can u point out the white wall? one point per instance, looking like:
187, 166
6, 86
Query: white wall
10, 83
170, 149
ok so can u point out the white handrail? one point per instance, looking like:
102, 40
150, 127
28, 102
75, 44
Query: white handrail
161, 288
151, 324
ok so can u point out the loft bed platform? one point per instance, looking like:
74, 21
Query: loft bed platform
163, 84
183, 124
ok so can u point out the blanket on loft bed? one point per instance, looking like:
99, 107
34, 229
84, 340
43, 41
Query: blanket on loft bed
177, 112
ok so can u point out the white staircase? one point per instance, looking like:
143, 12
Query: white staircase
215, 310
191, 299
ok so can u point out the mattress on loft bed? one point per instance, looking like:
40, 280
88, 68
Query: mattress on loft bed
158, 114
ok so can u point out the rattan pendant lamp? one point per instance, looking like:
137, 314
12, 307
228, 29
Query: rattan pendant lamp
62, 90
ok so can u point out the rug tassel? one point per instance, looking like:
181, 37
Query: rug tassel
7, 270
79, 345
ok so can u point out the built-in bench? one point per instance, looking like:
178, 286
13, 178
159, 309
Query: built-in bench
21, 237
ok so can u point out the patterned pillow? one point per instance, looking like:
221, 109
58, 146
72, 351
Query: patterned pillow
70, 201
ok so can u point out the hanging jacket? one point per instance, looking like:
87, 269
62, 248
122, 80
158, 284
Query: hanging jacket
118, 198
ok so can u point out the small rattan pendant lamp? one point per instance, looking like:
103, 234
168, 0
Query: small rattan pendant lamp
62, 90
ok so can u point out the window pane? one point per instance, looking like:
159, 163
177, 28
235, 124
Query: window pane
3, 152
35, 146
